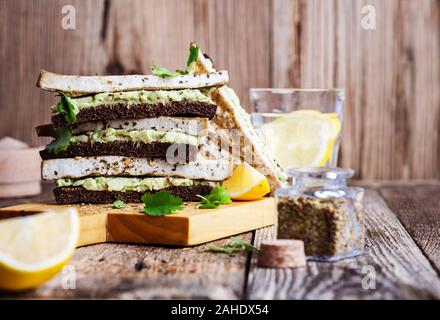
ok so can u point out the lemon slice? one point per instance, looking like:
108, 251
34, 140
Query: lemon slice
336, 122
35, 248
303, 112
246, 183
302, 138
333, 117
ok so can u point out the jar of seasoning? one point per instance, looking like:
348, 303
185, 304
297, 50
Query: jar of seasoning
319, 208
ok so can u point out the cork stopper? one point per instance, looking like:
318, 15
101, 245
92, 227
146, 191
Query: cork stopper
281, 253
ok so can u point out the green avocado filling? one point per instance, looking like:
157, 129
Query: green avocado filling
135, 97
145, 136
129, 184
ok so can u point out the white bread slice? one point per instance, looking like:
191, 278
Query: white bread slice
81, 85
192, 126
213, 170
197, 127
203, 64
231, 115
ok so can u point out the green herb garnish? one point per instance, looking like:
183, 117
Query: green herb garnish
164, 72
224, 249
243, 244
219, 195
161, 203
236, 246
67, 108
61, 141
118, 204
181, 72
192, 58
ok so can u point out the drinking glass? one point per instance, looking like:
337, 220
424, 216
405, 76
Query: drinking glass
269, 104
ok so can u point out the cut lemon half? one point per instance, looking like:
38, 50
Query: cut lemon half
246, 183
35, 248
333, 117
303, 138
303, 112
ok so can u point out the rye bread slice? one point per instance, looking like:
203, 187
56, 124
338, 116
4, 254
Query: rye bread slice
76, 195
155, 150
183, 108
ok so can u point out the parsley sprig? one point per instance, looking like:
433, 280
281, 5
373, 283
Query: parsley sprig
164, 72
67, 108
161, 203
237, 245
219, 195
192, 58
190, 65
118, 204
228, 249
61, 141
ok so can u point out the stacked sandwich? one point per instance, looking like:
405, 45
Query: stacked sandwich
119, 137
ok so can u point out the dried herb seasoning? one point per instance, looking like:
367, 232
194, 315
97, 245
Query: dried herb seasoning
326, 215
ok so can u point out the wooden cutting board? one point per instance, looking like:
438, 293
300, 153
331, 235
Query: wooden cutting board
191, 226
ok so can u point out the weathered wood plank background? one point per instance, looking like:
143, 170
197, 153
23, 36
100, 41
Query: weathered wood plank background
418, 210
391, 74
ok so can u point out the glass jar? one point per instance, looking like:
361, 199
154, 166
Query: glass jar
271, 104
319, 208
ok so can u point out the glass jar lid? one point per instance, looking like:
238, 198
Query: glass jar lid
320, 173
324, 183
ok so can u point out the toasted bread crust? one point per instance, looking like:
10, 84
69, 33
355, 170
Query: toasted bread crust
251, 148
72, 195
183, 108
227, 118
155, 150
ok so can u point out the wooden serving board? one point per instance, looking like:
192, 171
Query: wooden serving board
191, 226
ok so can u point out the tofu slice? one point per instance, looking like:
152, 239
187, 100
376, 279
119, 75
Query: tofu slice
81, 85
202, 169
192, 126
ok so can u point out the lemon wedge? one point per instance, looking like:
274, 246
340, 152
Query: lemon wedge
336, 122
303, 138
246, 183
332, 117
302, 112
35, 248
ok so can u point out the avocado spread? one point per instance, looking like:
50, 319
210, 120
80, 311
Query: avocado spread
129, 184
145, 136
137, 97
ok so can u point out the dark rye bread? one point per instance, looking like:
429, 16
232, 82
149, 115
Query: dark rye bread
183, 108
183, 152
72, 195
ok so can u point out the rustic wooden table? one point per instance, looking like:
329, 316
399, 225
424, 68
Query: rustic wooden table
402, 261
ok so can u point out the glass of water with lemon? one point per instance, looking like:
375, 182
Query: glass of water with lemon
301, 127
